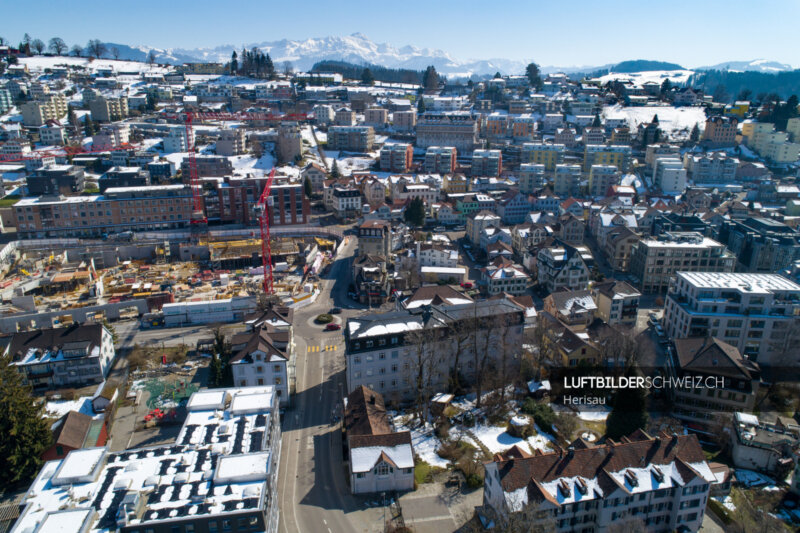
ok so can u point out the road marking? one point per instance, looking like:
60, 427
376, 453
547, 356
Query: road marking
313, 349
324, 521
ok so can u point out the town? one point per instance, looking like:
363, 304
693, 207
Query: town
240, 296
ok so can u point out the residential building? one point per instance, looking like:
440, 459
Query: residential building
154, 489
752, 132
503, 276
323, 114
396, 157
513, 207
404, 120
487, 163
56, 179
569, 229
601, 178
575, 309
263, 357
548, 155
720, 131
345, 117
351, 138
289, 146
380, 348
6, 102
564, 267
782, 152
710, 361
52, 135
431, 254
109, 109
456, 129
440, 160
761, 245
594, 135
619, 242
792, 127
656, 261
479, 221
711, 168
454, 184
756, 313
663, 481
669, 175
379, 458
596, 154
617, 302
316, 174
123, 177
237, 198
765, 447
38, 112
377, 117
346, 201
111, 136
656, 151
207, 166
118, 210
567, 180
531, 177
175, 140
71, 357
375, 238
522, 127
566, 136
231, 142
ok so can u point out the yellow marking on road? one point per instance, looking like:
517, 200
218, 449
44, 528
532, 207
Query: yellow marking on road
313, 349
331, 348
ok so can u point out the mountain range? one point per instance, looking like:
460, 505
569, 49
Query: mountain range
358, 48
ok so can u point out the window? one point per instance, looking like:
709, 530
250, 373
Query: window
383, 469
253, 521
276, 368
188, 528
357, 360
226, 525
175, 529
360, 475
59, 450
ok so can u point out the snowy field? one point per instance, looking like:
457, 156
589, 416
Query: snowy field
590, 413
670, 119
39, 63
679, 77
497, 439
58, 408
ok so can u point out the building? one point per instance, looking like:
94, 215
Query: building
656, 261
575, 309
261, 357
316, 175
379, 458
617, 302
396, 157
231, 142
237, 198
123, 177
548, 155
404, 121
479, 221
765, 447
345, 117
118, 210
594, 135
180, 486
567, 181
376, 117
109, 109
56, 179
6, 101
564, 267
351, 138
381, 348
346, 202
502, 276
52, 135
710, 361
375, 238
49, 107
720, 131
487, 163
669, 175
655, 151
440, 160
711, 168
663, 481
761, 245
601, 178
597, 154
756, 313
457, 129
207, 166
71, 357
175, 140
513, 207
619, 242
531, 177
75, 431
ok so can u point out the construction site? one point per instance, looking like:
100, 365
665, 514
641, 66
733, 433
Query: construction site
161, 282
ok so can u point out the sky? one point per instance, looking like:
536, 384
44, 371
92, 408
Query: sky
577, 32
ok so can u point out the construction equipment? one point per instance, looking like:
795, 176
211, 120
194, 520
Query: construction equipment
263, 215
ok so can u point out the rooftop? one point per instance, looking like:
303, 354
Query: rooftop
745, 282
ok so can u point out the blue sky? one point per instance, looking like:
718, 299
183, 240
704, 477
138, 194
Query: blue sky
576, 32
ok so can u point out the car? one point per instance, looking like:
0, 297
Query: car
466, 285
652, 316
660, 331
335, 310
439, 229
333, 327
460, 228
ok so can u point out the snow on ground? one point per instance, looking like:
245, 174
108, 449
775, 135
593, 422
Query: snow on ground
670, 119
497, 440
750, 478
727, 502
176, 158
39, 63
657, 76
590, 413
58, 408
347, 165
424, 441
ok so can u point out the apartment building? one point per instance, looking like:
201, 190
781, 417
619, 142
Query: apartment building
711, 360
656, 261
344, 117
513, 207
404, 121
346, 201
594, 135
457, 129
111, 136
323, 114
50, 107
351, 138
377, 117
487, 163
6, 101
523, 127
617, 302
56, 179
495, 125
548, 155
119, 209
761, 245
504, 277
175, 140
381, 349
566, 136
396, 157
375, 238
720, 131
123, 177
574, 309
752, 131
619, 241
477, 222
567, 181
237, 198
109, 109
231, 142
782, 152
601, 178
207, 166
289, 145
564, 267
440, 160
756, 313
669, 175
768, 447
71, 357
531, 177
662, 481
597, 154
710, 168
261, 357
655, 151
52, 135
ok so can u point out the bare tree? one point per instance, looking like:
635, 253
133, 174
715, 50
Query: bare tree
76, 50
38, 45
288, 68
423, 366
634, 525
461, 332
151, 58
508, 349
96, 48
115, 52
484, 336
57, 46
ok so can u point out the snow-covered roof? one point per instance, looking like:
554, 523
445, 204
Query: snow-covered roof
365, 458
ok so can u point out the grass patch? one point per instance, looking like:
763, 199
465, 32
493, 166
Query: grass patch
718, 509
422, 472
144, 357
9, 201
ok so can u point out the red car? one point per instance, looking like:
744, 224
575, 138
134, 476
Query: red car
333, 327
466, 285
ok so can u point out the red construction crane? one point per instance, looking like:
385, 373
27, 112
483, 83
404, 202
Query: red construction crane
263, 214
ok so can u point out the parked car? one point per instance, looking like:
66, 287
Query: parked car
466, 285
439, 229
333, 327
335, 310
660, 331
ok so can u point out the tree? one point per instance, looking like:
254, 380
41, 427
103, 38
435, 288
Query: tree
422, 365
744, 94
234, 64
666, 87
38, 45
288, 68
2, 40
695, 135
534, 76
415, 212
57, 46
269, 67
220, 371
26, 39
430, 80
335, 174
76, 50
307, 187
420, 105
95, 48
151, 58
629, 412
26, 434
596, 123
497, 76
721, 93
115, 52
367, 78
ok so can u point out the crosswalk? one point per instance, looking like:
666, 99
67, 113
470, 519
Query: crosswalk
324, 348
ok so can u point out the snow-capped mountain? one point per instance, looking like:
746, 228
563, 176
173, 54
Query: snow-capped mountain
756, 65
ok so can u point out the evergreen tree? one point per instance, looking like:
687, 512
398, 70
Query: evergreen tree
89, 129
666, 87
497, 75
26, 435
335, 174
269, 67
596, 123
215, 373
629, 412
430, 80
655, 119
695, 135
534, 76
420, 105
367, 78
307, 187
234, 63
415, 212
